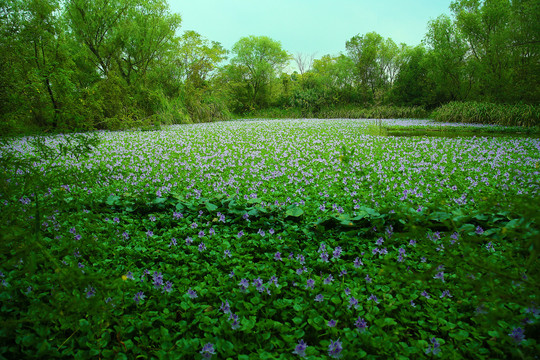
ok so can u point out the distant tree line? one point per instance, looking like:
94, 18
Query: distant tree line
110, 64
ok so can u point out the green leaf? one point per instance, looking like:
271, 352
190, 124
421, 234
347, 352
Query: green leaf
295, 212
460, 335
211, 207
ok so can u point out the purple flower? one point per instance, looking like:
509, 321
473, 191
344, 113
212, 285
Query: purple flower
379, 241
328, 280
412, 303
202, 247
201, 233
425, 294
271, 231
445, 293
227, 252
358, 262
90, 291
177, 215
158, 279
173, 242
389, 230
319, 298
532, 310
373, 298
518, 335
310, 283
479, 230
234, 318
301, 259
129, 275
211, 231
347, 291
225, 307
361, 324
368, 279
194, 225
152, 218
337, 252
245, 216
125, 235
440, 276
240, 234
324, 256
189, 240
231, 275
331, 323
423, 259
139, 296
299, 271
489, 247
334, 349
244, 284
208, 350
149, 233
435, 348
274, 280
353, 303
167, 287
343, 272
192, 293
412, 242
277, 256
300, 349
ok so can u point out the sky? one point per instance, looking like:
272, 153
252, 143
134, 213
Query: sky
310, 27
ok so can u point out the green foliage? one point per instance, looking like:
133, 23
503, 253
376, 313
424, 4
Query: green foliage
488, 113
257, 62
80, 65
79, 242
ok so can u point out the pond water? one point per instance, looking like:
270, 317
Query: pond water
454, 134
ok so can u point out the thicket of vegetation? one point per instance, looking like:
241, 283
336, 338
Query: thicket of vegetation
102, 64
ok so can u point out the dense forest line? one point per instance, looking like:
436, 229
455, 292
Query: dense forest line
112, 64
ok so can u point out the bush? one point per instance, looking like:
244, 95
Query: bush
488, 113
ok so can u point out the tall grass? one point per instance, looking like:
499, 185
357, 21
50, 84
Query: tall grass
377, 112
488, 113
349, 112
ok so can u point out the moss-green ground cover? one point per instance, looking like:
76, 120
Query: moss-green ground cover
271, 240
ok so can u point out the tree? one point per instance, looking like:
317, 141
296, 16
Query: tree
257, 62
304, 62
525, 44
503, 39
411, 87
446, 57
374, 61
485, 26
199, 57
35, 36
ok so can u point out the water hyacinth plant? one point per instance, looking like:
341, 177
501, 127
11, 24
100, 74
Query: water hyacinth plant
291, 239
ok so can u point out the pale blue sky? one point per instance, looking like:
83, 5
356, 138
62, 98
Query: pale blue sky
309, 26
